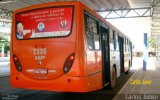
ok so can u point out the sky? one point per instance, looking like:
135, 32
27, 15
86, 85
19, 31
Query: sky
134, 28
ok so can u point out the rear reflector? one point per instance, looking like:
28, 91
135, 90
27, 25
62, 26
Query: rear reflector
68, 63
17, 63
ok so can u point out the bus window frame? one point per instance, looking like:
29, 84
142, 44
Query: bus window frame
73, 12
86, 13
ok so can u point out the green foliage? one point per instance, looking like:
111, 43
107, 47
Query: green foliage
6, 44
152, 42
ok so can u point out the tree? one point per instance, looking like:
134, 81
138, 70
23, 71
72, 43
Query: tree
152, 42
6, 44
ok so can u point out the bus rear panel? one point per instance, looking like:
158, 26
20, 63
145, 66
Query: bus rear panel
43, 54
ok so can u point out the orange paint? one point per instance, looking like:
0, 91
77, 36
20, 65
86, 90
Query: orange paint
42, 60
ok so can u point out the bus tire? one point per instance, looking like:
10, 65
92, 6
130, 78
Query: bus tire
113, 78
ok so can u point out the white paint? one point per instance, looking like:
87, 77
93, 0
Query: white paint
134, 28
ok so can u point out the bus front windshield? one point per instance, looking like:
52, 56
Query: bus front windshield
44, 22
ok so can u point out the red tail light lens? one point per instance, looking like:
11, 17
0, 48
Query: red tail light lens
15, 58
68, 63
17, 63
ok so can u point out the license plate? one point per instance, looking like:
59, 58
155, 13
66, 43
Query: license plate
41, 71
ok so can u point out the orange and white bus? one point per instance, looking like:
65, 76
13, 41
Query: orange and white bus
67, 47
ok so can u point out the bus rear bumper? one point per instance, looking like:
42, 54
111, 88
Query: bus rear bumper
62, 84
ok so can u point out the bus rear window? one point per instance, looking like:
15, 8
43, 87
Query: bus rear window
44, 22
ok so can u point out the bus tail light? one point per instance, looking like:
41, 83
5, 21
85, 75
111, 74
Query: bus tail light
17, 63
68, 63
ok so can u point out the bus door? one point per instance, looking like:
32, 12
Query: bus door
121, 54
105, 55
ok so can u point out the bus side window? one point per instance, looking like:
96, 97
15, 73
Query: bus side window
90, 40
92, 35
127, 45
111, 39
129, 49
130, 46
117, 44
124, 45
114, 40
96, 42
110, 34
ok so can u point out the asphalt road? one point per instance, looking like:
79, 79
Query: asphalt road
4, 68
8, 93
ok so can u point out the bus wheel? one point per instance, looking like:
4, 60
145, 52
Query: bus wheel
113, 78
